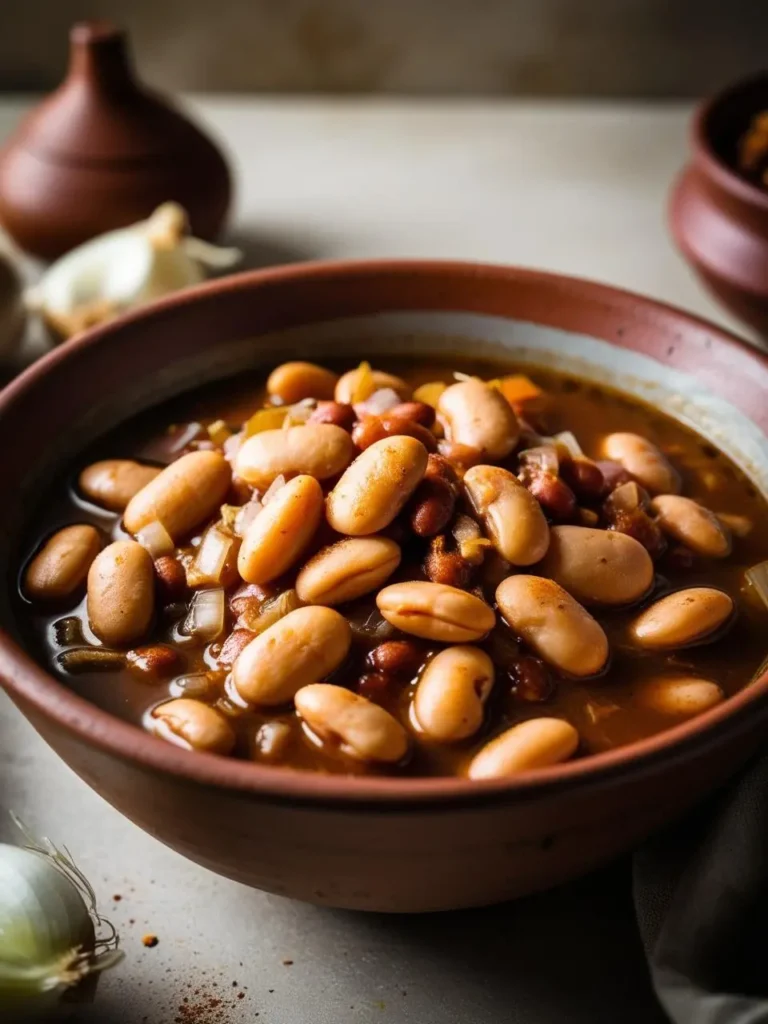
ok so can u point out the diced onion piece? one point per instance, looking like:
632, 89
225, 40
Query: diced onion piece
196, 684
272, 611
210, 558
300, 412
740, 526
430, 393
264, 419
625, 498
364, 383
518, 389
190, 433
543, 459
229, 514
232, 445
757, 578
379, 402
245, 516
367, 623
465, 528
458, 375
206, 614
272, 490
218, 431
565, 439
156, 539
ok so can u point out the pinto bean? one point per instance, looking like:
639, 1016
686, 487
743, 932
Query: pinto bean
347, 570
370, 429
362, 730
583, 476
320, 450
280, 533
113, 482
598, 566
556, 626
535, 743
293, 382
61, 565
644, 460
683, 618
435, 611
335, 413
417, 412
444, 566
450, 696
512, 517
193, 725
692, 525
305, 645
397, 658
184, 495
121, 593
376, 486
479, 416
681, 696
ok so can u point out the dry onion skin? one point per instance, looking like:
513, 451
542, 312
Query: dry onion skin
52, 937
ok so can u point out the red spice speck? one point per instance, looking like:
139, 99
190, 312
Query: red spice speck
287, 963
117, 897
150, 940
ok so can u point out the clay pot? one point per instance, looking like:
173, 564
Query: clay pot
395, 844
103, 152
718, 219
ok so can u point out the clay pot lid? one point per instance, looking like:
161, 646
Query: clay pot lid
101, 114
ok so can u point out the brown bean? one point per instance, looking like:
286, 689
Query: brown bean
121, 593
376, 486
614, 474
193, 725
153, 661
61, 566
535, 743
362, 730
347, 569
479, 416
305, 645
531, 681
320, 450
512, 517
644, 460
450, 696
461, 456
693, 525
334, 413
293, 382
370, 429
444, 566
598, 566
583, 476
682, 618
555, 497
184, 495
397, 658
171, 579
237, 641
279, 534
113, 482
417, 412
435, 611
557, 628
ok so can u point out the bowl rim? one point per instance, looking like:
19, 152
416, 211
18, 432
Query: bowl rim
719, 171
49, 698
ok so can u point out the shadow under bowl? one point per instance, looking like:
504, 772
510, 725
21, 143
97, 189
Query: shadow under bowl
718, 218
384, 844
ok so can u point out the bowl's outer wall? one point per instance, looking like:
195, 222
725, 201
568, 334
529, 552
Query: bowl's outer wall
453, 845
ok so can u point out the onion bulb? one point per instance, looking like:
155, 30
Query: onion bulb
51, 935
123, 269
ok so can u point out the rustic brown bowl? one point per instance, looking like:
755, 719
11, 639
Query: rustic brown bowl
378, 844
719, 220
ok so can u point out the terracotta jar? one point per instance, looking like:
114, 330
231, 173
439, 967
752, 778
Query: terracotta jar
102, 152
719, 220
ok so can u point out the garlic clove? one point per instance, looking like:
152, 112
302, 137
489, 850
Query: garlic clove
123, 269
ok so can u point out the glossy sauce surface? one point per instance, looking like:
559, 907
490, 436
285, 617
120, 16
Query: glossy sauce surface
603, 710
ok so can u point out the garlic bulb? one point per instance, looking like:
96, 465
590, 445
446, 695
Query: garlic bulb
123, 269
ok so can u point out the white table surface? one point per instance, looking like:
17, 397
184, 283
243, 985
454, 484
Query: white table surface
570, 187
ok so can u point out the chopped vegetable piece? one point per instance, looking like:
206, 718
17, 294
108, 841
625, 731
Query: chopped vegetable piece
206, 614
210, 558
518, 389
156, 539
270, 612
364, 384
757, 578
219, 432
272, 490
264, 419
430, 393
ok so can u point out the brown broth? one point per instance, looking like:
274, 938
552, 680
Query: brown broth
601, 709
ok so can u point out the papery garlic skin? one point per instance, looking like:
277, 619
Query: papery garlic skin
124, 269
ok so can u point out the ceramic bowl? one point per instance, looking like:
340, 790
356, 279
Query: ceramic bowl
719, 220
379, 844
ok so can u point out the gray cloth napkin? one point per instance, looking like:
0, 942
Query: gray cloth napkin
701, 895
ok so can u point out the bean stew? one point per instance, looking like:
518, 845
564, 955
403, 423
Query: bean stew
408, 569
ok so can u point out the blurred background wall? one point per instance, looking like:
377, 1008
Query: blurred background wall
523, 47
